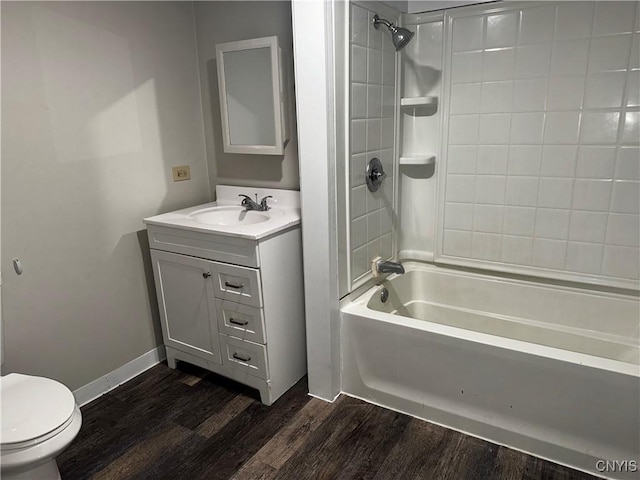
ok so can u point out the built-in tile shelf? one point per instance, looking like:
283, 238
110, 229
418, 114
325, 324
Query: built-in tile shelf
419, 102
417, 160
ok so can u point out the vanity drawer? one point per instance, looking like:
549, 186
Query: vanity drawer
240, 321
212, 246
244, 356
237, 284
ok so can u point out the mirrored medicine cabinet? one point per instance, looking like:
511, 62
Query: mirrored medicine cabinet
252, 92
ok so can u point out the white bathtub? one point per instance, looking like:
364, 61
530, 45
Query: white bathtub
549, 370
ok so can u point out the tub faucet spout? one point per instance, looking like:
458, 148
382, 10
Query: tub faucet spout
389, 267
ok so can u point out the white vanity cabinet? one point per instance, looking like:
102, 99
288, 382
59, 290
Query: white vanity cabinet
231, 304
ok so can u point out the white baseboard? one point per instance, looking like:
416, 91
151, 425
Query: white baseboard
325, 399
111, 380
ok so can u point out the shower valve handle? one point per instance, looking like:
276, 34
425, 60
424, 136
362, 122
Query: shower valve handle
375, 174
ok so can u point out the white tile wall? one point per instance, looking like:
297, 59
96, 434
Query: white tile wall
542, 171
558, 160
524, 159
565, 93
466, 67
516, 249
537, 25
596, 162
605, 90
373, 106
627, 164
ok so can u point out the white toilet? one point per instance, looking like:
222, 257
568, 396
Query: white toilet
40, 418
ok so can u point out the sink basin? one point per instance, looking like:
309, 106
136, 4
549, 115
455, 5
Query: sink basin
230, 215
227, 217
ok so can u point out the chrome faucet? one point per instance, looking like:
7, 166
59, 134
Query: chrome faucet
250, 204
263, 203
384, 266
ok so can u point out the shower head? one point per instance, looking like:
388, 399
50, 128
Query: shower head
399, 35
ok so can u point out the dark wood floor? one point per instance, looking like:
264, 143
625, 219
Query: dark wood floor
190, 424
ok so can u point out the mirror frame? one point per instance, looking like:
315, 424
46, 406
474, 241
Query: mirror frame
279, 110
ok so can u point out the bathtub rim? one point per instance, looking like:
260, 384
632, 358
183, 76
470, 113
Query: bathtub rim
495, 276
358, 306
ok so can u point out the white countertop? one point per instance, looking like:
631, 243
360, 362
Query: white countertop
284, 213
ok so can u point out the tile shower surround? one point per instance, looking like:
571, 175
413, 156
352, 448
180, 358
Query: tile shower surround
542, 168
372, 113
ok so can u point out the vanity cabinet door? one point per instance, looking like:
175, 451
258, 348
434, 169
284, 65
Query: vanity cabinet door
187, 306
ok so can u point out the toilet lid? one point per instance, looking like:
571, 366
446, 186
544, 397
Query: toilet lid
32, 407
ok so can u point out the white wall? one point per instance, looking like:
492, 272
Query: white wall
372, 112
398, 5
540, 165
218, 22
315, 38
100, 100
420, 136
416, 6
556, 196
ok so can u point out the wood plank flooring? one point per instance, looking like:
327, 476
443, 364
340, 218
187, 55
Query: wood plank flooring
191, 424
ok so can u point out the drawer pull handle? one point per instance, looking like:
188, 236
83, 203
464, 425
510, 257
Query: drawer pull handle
238, 322
242, 358
206, 275
233, 285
